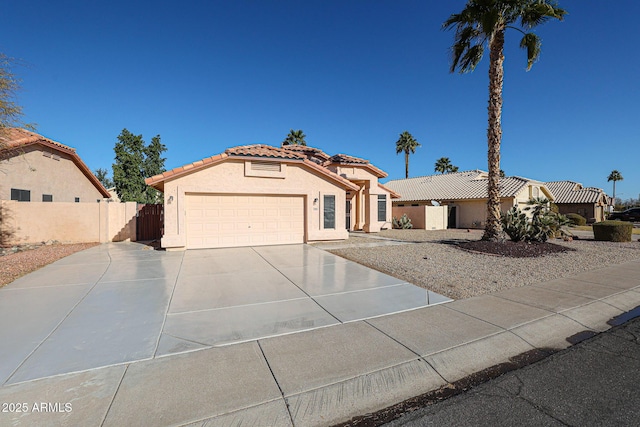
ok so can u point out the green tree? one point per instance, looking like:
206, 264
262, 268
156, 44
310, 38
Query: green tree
443, 165
134, 162
406, 144
103, 177
295, 137
484, 22
614, 176
153, 164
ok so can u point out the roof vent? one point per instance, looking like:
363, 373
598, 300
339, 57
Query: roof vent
265, 166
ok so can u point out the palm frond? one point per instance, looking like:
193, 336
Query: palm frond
532, 44
540, 12
471, 58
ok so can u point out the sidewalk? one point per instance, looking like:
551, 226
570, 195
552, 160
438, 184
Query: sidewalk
329, 375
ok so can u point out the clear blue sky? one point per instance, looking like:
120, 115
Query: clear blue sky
208, 75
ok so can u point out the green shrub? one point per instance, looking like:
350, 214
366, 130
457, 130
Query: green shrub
404, 222
613, 231
577, 219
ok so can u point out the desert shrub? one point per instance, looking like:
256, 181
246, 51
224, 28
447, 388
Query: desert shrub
544, 222
404, 222
577, 219
613, 231
515, 224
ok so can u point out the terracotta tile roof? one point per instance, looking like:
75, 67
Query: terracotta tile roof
259, 150
343, 159
307, 150
15, 138
455, 186
573, 192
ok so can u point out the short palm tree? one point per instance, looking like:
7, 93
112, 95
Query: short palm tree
406, 144
614, 176
443, 165
484, 22
295, 137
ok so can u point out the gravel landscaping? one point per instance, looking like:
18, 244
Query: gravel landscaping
14, 265
433, 261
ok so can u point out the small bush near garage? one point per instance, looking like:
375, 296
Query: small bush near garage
613, 231
404, 222
577, 219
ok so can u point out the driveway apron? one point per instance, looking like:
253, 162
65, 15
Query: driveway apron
120, 302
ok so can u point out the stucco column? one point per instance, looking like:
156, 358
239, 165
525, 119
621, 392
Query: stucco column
371, 210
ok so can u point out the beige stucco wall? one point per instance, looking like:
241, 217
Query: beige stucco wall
70, 222
473, 213
229, 177
39, 174
424, 217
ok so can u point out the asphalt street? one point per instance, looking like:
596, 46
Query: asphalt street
595, 382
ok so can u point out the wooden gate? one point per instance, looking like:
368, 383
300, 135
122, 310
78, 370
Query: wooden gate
150, 222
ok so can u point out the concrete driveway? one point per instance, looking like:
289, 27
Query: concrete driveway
118, 303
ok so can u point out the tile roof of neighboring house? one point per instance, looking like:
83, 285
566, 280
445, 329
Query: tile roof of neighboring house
393, 194
574, 192
343, 159
454, 186
258, 150
15, 139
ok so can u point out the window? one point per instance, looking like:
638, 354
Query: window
77, 200
20, 195
329, 206
382, 207
47, 198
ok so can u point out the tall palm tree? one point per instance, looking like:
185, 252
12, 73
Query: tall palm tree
295, 137
443, 165
484, 22
614, 176
407, 144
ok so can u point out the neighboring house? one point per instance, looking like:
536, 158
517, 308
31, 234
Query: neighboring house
38, 169
572, 197
262, 195
465, 194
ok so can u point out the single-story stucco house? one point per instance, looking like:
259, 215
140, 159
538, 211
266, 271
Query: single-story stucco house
572, 197
263, 195
38, 169
465, 194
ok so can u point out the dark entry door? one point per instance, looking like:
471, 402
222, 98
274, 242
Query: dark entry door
452, 217
348, 218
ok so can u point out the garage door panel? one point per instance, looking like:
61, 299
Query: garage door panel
227, 221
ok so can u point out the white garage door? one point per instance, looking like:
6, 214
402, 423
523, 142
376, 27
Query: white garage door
219, 221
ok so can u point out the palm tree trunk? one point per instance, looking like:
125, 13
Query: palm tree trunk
613, 203
406, 164
493, 228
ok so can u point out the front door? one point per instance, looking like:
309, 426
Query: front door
452, 217
348, 218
